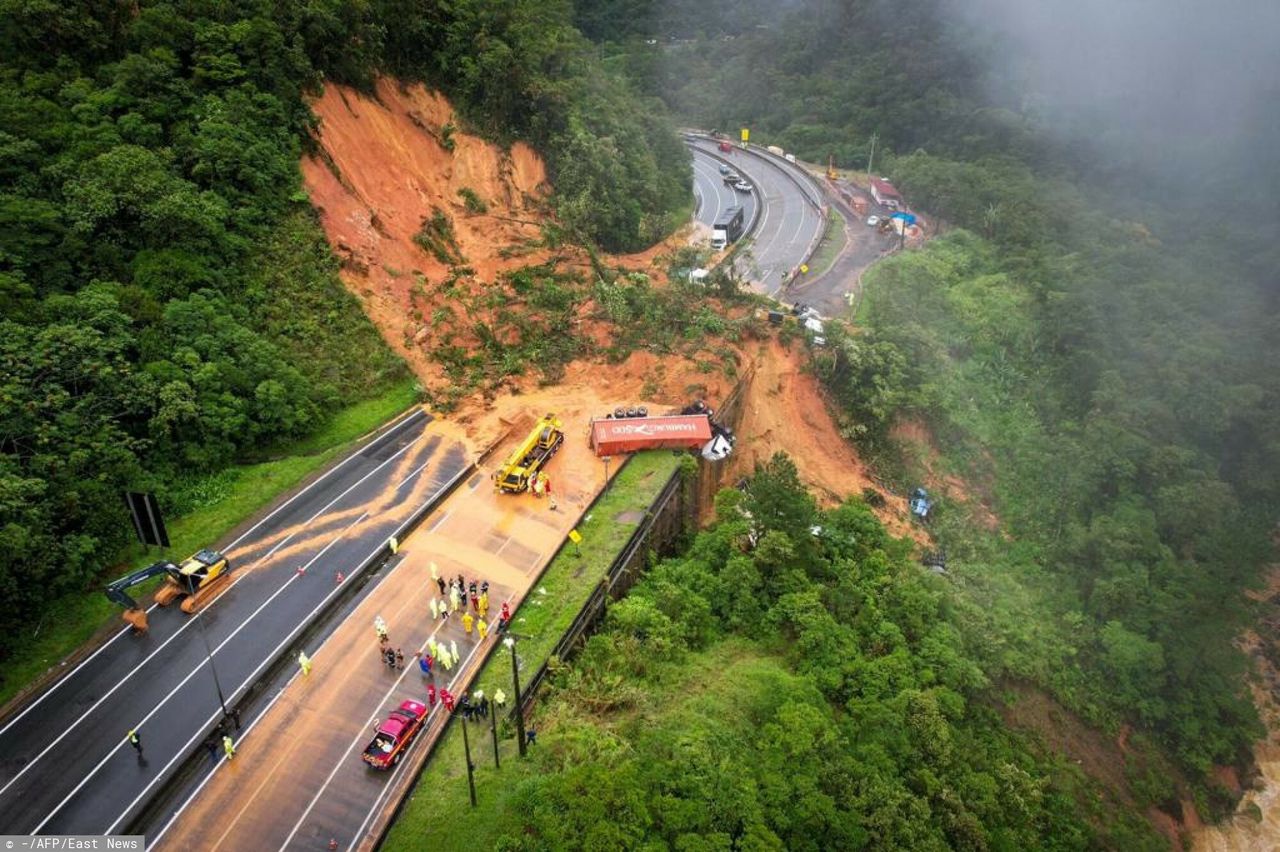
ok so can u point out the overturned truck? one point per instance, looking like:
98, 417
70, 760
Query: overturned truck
631, 430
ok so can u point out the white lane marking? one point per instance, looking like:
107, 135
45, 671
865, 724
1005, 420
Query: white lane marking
360, 737
244, 572
377, 803
92, 772
67, 677
271, 656
417, 412
319, 652
155, 841
697, 164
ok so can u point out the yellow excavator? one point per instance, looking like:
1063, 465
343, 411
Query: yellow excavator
197, 580
528, 458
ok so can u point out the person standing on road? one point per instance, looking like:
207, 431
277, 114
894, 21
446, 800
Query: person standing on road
432, 647
228, 746
446, 698
440, 585
453, 650
467, 621
484, 602
431, 695
482, 629
135, 741
399, 659
425, 663
304, 662
435, 610
454, 598
499, 699
380, 627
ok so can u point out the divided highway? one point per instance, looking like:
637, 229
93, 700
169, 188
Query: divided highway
65, 764
790, 217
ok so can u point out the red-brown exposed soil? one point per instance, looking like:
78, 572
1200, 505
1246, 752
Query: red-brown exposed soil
917, 437
785, 410
384, 168
1256, 823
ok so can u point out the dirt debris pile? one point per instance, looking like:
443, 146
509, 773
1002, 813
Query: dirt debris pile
424, 217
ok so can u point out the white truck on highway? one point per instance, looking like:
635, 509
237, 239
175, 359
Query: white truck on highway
727, 228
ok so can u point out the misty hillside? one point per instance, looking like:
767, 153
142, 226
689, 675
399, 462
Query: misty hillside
1078, 648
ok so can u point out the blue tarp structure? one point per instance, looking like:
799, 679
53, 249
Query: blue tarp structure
907, 218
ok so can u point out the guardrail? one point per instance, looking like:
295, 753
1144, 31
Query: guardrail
374, 836
273, 665
623, 573
808, 186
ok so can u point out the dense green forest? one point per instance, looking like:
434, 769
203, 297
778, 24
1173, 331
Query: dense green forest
170, 305
774, 688
1093, 352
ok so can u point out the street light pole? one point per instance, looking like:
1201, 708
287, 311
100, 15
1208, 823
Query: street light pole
606, 460
208, 655
515, 676
466, 748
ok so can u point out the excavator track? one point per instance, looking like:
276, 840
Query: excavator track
192, 603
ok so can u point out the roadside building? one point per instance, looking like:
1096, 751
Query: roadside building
885, 194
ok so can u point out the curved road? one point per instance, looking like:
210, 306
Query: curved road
790, 220
65, 765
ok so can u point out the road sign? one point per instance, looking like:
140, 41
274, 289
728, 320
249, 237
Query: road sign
746, 135
147, 523
575, 536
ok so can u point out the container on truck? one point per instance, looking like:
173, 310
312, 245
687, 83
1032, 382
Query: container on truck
610, 436
727, 228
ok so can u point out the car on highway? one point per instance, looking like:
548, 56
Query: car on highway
742, 186
731, 177
392, 738
725, 170
873, 221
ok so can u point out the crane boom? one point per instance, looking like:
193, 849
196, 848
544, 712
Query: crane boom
529, 457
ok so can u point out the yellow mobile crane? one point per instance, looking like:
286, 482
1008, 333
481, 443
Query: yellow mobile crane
528, 458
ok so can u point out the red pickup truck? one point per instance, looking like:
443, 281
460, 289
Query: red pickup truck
393, 736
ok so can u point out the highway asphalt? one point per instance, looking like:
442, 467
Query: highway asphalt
66, 766
712, 196
301, 760
790, 216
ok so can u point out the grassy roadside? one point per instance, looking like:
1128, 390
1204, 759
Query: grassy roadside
832, 244
568, 582
74, 619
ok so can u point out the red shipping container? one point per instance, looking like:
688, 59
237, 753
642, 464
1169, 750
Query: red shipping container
628, 434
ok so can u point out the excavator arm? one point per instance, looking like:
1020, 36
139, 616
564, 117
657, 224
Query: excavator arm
116, 590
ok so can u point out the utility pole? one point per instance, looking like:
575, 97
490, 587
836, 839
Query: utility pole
510, 642
493, 726
871, 159
466, 748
